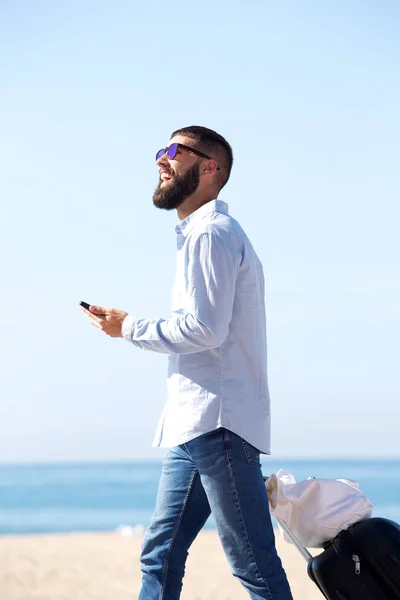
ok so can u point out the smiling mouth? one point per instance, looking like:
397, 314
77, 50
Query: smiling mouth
165, 176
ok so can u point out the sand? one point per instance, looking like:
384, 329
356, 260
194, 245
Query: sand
105, 566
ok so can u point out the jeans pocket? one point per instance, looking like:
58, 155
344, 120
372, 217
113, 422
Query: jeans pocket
252, 454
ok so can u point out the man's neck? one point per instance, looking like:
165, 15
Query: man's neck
190, 205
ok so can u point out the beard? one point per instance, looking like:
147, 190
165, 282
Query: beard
173, 193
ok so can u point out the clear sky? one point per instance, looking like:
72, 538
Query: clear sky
308, 94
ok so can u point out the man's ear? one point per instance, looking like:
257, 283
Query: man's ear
210, 167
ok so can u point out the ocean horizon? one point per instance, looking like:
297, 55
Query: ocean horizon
67, 497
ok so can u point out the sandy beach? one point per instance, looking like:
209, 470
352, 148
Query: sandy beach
105, 566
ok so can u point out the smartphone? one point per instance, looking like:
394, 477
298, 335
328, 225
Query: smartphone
84, 304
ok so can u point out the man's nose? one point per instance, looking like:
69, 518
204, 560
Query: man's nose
163, 160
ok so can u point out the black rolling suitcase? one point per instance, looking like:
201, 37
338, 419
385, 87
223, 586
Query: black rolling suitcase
361, 563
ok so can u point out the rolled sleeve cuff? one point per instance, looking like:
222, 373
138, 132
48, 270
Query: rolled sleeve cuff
127, 327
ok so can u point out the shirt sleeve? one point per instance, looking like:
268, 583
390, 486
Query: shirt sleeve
210, 282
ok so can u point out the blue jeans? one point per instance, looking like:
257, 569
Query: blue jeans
218, 472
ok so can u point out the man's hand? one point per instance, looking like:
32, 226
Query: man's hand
108, 320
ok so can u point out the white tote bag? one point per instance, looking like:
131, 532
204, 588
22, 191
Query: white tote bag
316, 510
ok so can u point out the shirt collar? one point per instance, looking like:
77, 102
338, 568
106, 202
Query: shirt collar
186, 225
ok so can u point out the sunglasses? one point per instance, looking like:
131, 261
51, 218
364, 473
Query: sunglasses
173, 149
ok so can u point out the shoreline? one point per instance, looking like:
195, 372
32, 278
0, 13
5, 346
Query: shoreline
265, 458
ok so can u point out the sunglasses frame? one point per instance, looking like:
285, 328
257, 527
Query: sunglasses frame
175, 147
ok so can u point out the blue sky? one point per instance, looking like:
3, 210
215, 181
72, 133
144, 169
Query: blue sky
308, 94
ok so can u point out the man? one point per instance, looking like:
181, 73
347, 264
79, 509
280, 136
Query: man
217, 417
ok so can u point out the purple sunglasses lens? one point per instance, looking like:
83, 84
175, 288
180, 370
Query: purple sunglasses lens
160, 153
172, 151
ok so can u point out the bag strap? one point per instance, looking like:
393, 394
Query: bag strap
303, 551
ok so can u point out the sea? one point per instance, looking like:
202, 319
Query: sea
120, 496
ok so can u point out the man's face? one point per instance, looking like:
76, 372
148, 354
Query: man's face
179, 177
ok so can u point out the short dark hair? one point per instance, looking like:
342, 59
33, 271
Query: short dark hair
214, 144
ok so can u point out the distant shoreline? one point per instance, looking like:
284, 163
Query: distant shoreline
53, 498
157, 461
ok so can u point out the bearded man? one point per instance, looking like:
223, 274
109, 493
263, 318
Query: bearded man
216, 420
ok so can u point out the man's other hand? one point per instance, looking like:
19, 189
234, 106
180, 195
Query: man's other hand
108, 320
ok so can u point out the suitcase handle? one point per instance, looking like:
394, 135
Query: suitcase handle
303, 551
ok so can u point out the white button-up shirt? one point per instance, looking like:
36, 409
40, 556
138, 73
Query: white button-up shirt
216, 335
